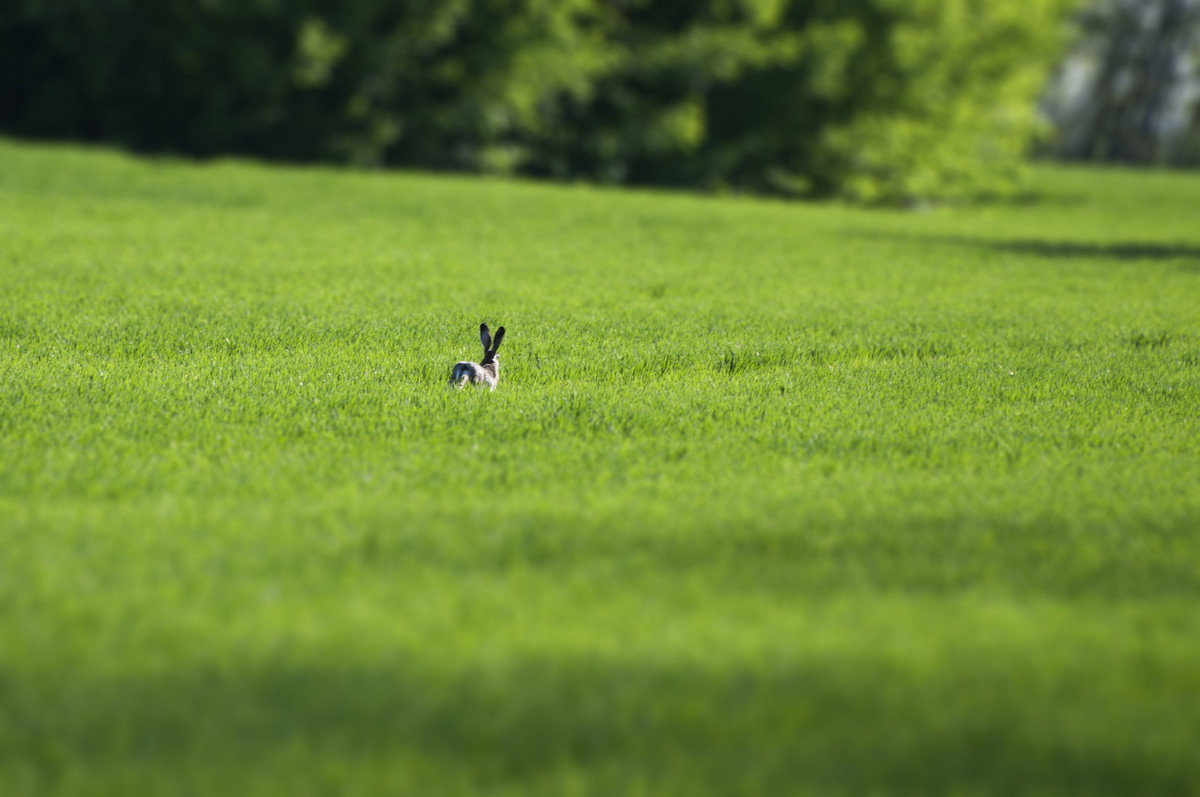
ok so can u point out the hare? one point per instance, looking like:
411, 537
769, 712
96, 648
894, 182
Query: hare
487, 371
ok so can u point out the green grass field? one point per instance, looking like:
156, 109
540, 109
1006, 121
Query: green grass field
771, 499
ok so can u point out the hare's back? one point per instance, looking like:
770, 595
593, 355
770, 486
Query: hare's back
472, 372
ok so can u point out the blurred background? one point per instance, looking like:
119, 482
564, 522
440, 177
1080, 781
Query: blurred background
895, 101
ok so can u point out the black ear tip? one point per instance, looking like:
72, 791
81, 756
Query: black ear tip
483, 328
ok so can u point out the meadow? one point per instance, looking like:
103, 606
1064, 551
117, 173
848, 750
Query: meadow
772, 498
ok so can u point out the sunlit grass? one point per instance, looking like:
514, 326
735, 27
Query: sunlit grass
770, 498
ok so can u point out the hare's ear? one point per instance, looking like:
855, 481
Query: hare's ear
485, 337
499, 337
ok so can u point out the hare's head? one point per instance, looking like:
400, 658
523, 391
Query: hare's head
490, 344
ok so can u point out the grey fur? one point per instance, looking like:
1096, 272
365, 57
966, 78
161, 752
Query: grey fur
487, 370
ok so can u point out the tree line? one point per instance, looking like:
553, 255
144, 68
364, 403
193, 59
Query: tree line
872, 100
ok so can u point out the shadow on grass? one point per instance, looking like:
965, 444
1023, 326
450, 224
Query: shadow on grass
1078, 249
827, 724
1133, 251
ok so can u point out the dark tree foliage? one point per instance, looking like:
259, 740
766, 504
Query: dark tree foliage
876, 100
